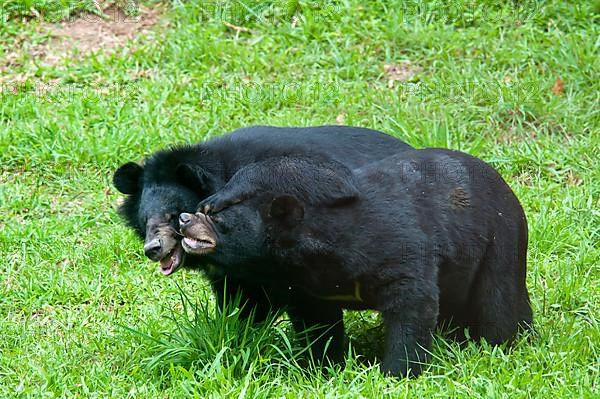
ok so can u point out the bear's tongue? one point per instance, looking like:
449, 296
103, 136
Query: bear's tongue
170, 263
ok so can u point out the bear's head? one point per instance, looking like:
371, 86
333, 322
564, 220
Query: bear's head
245, 233
156, 193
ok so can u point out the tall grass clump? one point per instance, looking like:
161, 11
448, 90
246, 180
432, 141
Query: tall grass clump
205, 338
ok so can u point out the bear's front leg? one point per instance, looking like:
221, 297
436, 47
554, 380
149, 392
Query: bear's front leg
321, 324
410, 312
253, 299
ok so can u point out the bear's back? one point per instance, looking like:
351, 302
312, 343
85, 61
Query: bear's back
435, 176
352, 146
435, 191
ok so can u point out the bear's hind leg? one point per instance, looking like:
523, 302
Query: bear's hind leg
499, 302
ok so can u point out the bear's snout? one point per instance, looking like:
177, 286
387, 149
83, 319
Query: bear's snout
199, 236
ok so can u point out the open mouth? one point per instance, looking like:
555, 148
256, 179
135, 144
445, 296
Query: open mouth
170, 263
198, 246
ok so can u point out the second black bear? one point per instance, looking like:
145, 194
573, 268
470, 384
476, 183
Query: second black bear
425, 236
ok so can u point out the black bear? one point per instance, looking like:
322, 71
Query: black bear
176, 180
425, 237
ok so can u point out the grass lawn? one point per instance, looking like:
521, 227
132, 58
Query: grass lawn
515, 83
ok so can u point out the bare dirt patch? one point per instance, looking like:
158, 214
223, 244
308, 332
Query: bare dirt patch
81, 35
89, 33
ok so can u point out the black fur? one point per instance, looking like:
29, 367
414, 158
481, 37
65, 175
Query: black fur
425, 236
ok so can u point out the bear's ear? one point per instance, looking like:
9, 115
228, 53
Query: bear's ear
287, 209
337, 190
127, 178
329, 183
196, 178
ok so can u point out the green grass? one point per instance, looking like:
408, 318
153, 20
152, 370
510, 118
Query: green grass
73, 275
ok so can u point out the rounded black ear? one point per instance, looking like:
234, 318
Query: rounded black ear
127, 178
287, 209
